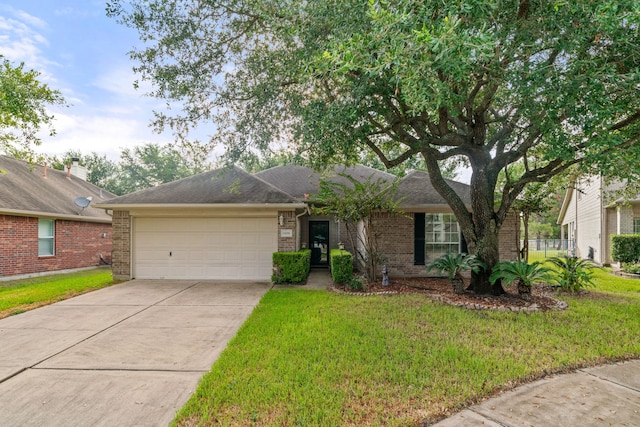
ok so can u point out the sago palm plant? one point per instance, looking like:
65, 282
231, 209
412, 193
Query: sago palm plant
523, 274
573, 274
453, 265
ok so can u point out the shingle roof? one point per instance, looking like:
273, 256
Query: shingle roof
280, 185
226, 185
415, 190
24, 189
299, 180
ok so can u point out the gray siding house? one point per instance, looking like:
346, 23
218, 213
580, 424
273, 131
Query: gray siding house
590, 215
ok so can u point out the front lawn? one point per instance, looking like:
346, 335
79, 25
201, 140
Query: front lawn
316, 358
21, 295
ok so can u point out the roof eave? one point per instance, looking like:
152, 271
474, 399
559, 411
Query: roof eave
125, 206
53, 215
565, 204
423, 207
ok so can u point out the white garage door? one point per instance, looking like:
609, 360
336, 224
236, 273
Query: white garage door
204, 248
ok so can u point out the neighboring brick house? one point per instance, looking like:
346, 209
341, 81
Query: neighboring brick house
226, 224
42, 230
591, 214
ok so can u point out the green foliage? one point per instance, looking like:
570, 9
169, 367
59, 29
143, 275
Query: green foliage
100, 171
572, 274
25, 294
348, 199
520, 272
148, 165
454, 264
139, 168
23, 109
625, 247
341, 266
631, 267
291, 267
356, 284
354, 203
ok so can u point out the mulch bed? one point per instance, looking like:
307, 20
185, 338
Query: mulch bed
441, 290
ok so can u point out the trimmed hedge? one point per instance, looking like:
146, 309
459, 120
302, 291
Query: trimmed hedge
341, 266
625, 247
291, 267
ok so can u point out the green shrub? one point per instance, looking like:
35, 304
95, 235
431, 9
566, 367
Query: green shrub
572, 273
520, 272
291, 267
356, 284
341, 266
625, 247
631, 267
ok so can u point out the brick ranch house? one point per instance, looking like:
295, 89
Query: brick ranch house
42, 230
225, 224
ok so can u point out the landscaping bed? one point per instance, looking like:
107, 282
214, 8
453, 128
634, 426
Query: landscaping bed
441, 290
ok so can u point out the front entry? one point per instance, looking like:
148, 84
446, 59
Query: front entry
319, 241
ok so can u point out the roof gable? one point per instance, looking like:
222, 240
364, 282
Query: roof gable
221, 186
34, 189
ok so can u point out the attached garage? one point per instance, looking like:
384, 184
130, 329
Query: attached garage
204, 248
223, 224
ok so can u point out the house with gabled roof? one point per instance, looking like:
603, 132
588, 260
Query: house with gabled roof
48, 221
225, 224
591, 213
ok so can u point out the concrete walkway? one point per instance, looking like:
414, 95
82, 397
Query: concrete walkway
319, 279
608, 395
130, 354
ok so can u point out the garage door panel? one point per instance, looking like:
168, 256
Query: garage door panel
204, 248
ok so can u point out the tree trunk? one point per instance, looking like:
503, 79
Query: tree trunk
458, 284
524, 291
487, 248
480, 224
525, 243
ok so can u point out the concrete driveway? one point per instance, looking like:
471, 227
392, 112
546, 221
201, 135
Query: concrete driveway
126, 355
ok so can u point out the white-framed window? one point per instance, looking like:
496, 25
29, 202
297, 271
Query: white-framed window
636, 225
441, 235
46, 237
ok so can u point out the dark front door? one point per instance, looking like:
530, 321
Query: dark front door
319, 242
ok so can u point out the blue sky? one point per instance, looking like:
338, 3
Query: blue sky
82, 53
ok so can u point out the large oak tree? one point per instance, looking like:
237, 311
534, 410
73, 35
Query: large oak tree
550, 84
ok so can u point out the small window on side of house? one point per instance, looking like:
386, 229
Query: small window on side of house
636, 225
46, 237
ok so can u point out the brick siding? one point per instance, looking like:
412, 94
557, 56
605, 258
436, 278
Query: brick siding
509, 237
287, 244
77, 245
121, 266
396, 243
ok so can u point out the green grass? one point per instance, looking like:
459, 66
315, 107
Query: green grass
315, 358
607, 282
21, 295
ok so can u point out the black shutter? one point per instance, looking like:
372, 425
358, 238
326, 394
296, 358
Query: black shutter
418, 239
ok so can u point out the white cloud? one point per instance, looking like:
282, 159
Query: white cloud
119, 80
97, 133
30, 19
20, 42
